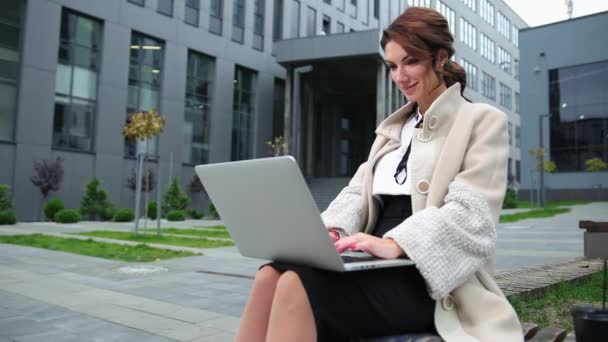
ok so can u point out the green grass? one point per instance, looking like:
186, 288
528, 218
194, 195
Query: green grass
555, 204
536, 213
213, 227
163, 239
218, 233
139, 253
555, 306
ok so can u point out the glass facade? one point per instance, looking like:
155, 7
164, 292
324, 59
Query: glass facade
145, 70
200, 75
11, 19
243, 114
578, 104
216, 15
449, 15
258, 24
76, 82
238, 21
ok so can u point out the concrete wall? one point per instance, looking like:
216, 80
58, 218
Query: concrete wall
563, 44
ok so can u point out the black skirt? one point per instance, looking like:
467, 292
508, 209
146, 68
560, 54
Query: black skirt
371, 303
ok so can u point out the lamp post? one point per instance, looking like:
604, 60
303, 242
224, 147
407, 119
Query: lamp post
541, 156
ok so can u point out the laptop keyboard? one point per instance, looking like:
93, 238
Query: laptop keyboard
349, 259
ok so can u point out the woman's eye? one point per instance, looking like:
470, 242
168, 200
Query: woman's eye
411, 61
392, 67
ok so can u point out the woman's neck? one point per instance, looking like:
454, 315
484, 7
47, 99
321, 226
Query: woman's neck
425, 103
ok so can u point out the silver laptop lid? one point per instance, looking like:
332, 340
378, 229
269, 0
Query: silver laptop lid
269, 211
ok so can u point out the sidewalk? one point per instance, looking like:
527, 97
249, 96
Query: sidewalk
54, 296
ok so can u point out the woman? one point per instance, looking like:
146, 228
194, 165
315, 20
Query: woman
431, 191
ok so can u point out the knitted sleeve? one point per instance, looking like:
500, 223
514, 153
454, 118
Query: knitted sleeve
450, 243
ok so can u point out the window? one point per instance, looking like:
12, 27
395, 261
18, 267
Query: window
277, 23
517, 136
216, 16
243, 114
515, 36
488, 86
311, 21
353, 8
504, 60
509, 170
339, 27
471, 72
487, 48
376, 9
11, 19
238, 21
486, 11
468, 34
516, 68
141, 3
327, 2
517, 105
472, 4
419, 3
295, 19
326, 27
76, 82
145, 70
518, 170
258, 24
165, 7
505, 96
278, 108
341, 5
509, 129
504, 25
579, 115
192, 9
449, 15
197, 112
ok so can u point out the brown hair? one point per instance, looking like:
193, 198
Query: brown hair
423, 32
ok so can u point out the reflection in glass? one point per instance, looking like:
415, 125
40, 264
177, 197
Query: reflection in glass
578, 103
243, 116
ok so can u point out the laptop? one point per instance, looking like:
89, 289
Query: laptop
270, 213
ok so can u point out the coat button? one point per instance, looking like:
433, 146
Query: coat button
422, 138
423, 187
433, 121
447, 302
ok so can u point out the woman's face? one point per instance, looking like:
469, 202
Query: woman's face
415, 78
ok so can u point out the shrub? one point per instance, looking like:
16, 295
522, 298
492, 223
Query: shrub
5, 198
176, 215
124, 215
213, 212
94, 203
107, 214
152, 208
48, 176
52, 207
175, 198
510, 201
595, 165
7, 217
67, 216
195, 214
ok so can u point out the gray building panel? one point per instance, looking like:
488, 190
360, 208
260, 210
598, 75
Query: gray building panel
549, 47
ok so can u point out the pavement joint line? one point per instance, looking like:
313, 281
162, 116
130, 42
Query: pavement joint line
235, 275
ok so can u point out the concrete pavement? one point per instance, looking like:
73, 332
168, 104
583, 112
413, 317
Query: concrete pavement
54, 296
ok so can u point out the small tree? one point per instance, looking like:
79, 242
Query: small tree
548, 165
175, 198
278, 146
595, 165
94, 203
6, 202
48, 176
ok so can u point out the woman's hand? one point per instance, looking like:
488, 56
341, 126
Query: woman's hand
379, 247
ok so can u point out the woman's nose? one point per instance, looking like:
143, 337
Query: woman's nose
401, 75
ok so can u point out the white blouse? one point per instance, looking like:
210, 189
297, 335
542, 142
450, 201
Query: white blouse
384, 175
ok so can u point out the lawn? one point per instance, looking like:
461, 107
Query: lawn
163, 239
555, 306
554, 204
218, 233
536, 213
139, 253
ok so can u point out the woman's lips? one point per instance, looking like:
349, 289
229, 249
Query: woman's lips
409, 90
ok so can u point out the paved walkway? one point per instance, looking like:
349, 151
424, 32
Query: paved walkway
54, 296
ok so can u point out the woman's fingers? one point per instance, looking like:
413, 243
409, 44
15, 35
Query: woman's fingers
382, 248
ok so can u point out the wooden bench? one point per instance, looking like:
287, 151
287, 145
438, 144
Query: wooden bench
533, 280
